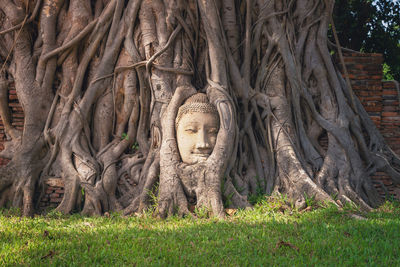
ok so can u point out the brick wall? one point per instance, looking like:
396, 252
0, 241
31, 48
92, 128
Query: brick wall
390, 116
380, 99
17, 117
53, 193
54, 190
390, 129
365, 73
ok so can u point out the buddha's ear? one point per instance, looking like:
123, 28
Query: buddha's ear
225, 115
156, 140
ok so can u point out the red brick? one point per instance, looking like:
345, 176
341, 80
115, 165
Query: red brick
389, 114
368, 108
14, 104
56, 199
389, 92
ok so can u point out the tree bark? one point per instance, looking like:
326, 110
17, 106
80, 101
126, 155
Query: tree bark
101, 82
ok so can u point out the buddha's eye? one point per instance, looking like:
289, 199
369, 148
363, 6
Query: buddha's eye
191, 130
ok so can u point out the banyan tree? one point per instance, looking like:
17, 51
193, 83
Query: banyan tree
105, 85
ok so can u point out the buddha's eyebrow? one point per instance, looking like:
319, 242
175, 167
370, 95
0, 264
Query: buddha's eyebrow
190, 123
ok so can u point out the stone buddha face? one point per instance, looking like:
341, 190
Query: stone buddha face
197, 125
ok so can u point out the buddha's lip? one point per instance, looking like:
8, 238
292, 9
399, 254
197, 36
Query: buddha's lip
201, 154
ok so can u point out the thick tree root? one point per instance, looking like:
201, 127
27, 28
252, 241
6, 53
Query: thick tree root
101, 83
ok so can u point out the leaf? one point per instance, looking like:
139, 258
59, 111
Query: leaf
46, 233
283, 208
192, 208
125, 136
49, 255
230, 212
286, 244
357, 217
88, 224
309, 208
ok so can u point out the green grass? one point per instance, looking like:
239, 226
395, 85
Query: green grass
270, 234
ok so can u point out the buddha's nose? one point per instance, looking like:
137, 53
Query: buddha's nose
202, 140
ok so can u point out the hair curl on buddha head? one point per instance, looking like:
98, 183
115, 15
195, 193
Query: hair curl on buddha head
196, 103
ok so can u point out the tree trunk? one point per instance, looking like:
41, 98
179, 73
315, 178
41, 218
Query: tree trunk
101, 83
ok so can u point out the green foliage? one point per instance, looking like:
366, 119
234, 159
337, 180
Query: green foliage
124, 136
202, 212
54, 214
310, 201
135, 146
10, 212
274, 204
259, 194
387, 73
228, 200
371, 26
390, 207
153, 195
272, 234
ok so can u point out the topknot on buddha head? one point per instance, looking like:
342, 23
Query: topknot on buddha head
196, 103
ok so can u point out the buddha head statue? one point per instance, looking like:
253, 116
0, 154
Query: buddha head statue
197, 125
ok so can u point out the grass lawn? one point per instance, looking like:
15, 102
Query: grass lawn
270, 234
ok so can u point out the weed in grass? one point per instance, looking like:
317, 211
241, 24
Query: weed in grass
202, 212
310, 200
274, 203
227, 200
351, 207
259, 195
10, 212
153, 196
54, 214
390, 207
